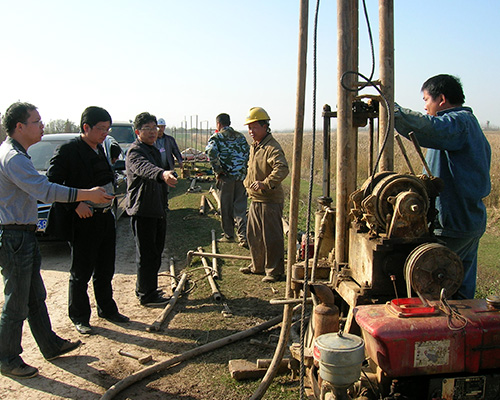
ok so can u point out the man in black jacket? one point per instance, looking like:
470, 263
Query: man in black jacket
146, 198
81, 163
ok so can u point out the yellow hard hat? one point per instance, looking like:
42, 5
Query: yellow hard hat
257, 114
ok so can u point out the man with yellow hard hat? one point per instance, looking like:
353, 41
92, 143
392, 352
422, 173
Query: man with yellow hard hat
267, 167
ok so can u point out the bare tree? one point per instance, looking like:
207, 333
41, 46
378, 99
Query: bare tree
61, 126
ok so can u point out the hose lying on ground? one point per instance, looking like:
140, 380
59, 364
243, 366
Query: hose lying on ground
139, 375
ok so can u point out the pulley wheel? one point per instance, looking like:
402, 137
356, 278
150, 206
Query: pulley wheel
431, 267
391, 186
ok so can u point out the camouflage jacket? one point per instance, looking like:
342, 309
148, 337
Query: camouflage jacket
228, 152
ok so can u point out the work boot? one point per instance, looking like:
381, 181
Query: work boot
272, 278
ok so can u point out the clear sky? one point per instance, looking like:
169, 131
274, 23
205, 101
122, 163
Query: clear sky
178, 59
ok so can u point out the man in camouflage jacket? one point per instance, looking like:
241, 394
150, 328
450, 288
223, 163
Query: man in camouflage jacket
228, 152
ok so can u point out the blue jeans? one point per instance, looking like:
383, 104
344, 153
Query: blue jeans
24, 298
466, 249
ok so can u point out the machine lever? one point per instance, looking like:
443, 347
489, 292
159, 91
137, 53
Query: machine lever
420, 154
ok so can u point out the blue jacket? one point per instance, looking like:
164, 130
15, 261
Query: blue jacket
460, 155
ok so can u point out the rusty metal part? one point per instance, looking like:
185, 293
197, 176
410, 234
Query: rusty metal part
431, 267
157, 325
192, 253
326, 313
215, 290
142, 360
403, 151
420, 154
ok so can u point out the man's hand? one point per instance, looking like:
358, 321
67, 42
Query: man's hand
95, 195
84, 210
257, 185
170, 178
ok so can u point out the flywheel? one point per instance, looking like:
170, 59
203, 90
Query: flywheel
431, 267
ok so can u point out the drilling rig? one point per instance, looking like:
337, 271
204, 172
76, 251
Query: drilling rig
383, 325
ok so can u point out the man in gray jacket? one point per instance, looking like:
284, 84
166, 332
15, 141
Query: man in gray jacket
20, 187
146, 198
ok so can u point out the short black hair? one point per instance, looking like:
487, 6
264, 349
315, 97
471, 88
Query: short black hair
93, 115
447, 85
143, 119
223, 119
17, 112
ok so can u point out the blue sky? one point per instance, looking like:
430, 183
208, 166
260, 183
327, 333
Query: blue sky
178, 59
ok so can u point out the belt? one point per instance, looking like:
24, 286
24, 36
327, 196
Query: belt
102, 210
18, 227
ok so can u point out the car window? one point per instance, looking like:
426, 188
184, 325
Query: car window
42, 152
123, 134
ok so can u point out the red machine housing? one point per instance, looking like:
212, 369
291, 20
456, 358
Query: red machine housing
431, 343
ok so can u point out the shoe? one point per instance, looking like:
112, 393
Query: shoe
155, 301
249, 270
66, 347
246, 270
84, 328
243, 243
226, 239
23, 371
116, 317
271, 278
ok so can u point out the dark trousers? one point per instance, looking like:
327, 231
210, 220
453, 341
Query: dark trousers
93, 256
233, 198
149, 234
25, 296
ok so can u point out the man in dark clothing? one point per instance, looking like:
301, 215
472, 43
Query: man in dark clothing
82, 163
146, 198
168, 149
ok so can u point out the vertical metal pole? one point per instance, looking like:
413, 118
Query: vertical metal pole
347, 40
386, 33
185, 133
326, 149
294, 200
196, 136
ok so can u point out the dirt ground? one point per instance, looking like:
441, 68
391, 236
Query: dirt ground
90, 370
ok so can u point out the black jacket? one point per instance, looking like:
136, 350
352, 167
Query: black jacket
77, 165
146, 189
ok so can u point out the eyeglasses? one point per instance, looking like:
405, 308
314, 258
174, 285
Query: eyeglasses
149, 128
33, 122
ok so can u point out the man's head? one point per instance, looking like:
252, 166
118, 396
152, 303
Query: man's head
23, 123
146, 128
17, 113
222, 120
94, 125
161, 127
258, 123
442, 92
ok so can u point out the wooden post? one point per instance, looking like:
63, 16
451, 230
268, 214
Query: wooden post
386, 40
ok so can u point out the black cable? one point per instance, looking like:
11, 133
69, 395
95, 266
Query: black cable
309, 201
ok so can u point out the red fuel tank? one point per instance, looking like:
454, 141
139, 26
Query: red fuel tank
404, 344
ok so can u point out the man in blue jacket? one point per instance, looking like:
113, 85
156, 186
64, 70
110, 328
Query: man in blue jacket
459, 154
147, 184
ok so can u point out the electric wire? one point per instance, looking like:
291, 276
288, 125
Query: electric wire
309, 201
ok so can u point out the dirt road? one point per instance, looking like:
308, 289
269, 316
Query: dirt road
87, 372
